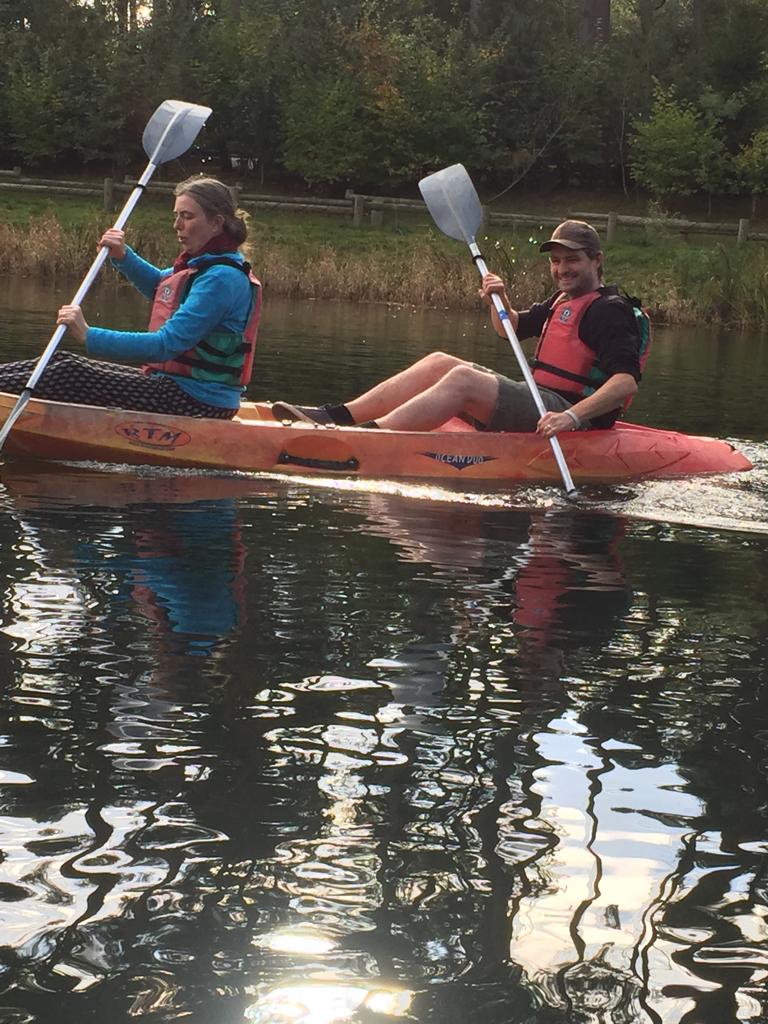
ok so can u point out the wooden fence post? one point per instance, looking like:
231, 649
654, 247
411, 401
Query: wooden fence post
377, 218
610, 229
743, 232
109, 195
358, 210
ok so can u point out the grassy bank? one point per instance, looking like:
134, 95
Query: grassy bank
407, 261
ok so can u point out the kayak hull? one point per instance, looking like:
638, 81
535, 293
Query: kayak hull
255, 442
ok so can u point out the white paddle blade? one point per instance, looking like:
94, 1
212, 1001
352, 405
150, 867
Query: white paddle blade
172, 129
453, 203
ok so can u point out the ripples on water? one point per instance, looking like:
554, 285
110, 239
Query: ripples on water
306, 752
278, 754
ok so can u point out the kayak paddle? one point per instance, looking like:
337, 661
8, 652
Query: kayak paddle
170, 131
454, 205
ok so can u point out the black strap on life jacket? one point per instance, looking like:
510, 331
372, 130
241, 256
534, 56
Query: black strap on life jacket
223, 261
537, 364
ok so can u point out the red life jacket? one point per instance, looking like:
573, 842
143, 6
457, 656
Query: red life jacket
223, 357
563, 362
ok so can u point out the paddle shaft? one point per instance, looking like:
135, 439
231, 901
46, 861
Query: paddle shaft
88, 280
570, 487
90, 277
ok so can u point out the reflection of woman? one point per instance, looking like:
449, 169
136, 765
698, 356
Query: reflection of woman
198, 351
183, 581
178, 556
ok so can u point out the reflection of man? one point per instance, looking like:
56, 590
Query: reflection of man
595, 993
568, 592
571, 583
610, 833
587, 365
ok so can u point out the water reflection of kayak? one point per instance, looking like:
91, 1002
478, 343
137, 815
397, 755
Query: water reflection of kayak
255, 442
32, 485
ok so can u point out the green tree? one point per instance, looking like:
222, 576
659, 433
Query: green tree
33, 105
717, 171
546, 121
379, 91
426, 88
674, 149
397, 100
237, 70
324, 129
752, 161
716, 166
60, 103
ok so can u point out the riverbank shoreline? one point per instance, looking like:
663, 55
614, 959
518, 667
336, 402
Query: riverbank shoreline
406, 261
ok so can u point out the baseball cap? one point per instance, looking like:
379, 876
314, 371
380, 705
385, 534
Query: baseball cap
573, 234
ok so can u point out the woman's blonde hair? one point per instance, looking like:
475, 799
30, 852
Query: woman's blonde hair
216, 198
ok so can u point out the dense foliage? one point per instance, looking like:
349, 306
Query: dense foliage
670, 93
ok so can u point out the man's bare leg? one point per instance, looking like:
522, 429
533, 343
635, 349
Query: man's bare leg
463, 390
397, 390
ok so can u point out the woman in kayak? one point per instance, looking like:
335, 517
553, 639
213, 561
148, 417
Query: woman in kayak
197, 354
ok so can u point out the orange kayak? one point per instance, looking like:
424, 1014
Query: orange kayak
255, 442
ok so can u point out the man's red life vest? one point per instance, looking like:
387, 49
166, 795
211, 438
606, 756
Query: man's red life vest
563, 362
223, 357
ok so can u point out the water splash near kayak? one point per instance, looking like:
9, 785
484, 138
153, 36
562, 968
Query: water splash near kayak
734, 502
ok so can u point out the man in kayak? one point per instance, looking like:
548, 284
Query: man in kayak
587, 366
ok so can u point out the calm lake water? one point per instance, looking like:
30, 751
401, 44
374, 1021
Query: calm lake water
278, 751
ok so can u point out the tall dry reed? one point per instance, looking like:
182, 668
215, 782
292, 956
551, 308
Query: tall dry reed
717, 284
44, 247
